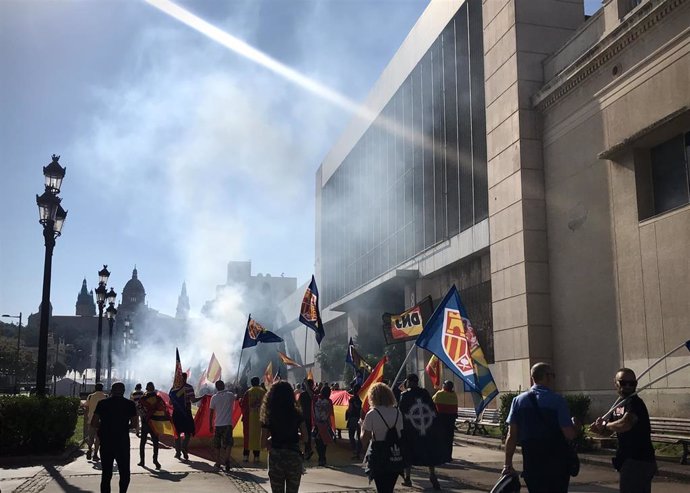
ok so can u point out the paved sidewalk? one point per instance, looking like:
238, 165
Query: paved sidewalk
475, 468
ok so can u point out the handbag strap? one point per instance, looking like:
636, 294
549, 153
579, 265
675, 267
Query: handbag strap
385, 422
532, 397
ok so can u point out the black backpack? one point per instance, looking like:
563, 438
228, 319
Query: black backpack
387, 455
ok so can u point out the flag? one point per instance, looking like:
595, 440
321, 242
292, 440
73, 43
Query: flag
268, 375
310, 375
288, 361
255, 333
189, 373
277, 377
201, 383
354, 359
213, 372
450, 336
309, 313
375, 376
433, 369
409, 324
177, 380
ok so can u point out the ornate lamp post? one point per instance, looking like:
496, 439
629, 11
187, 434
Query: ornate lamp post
111, 311
101, 292
126, 342
52, 217
19, 340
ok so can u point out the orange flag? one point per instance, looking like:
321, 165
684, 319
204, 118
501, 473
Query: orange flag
375, 376
287, 360
433, 369
310, 375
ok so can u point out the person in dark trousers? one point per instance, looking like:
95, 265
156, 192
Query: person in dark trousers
155, 416
306, 399
182, 399
112, 419
352, 416
539, 420
634, 460
323, 421
134, 397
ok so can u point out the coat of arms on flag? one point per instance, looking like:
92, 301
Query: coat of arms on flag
450, 336
255, 333
309, 313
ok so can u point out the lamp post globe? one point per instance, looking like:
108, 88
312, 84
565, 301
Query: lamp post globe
111, 311
101, 293
52, 217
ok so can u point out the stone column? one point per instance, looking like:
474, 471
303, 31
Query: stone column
518, 36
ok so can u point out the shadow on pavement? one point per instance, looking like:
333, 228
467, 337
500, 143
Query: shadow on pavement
64, 485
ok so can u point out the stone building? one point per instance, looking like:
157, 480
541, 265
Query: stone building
538, 159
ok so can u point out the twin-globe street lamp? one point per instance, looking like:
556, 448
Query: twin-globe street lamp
52, 217
128, 343
111, 311
103, 296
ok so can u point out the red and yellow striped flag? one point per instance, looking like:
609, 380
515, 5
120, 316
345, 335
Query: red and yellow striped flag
375, 376
433, 369
287, 360
214, 371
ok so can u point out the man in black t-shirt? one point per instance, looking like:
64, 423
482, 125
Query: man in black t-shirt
113, 418
634, 459
306, 401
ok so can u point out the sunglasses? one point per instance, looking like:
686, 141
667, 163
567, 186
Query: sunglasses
631, 383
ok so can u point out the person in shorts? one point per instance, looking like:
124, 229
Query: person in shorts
220, 423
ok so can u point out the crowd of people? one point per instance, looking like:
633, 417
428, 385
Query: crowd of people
391, 431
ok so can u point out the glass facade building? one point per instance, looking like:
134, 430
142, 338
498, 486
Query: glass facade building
418, 174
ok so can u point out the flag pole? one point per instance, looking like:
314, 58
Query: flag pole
306, 333
642, 388
686, 344
403, 365
237, 377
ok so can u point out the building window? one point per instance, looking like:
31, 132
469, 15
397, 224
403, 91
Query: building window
668, 177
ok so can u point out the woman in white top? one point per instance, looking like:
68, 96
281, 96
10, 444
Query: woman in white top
382, 416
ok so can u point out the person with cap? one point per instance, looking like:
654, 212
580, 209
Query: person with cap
539, 420
446, 401
113, 418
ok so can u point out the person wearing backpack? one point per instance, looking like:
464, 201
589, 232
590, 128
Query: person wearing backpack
383, 426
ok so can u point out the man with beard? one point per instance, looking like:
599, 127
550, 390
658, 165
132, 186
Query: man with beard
634, 458
420, 430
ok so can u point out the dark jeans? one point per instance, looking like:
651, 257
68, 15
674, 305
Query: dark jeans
320, 450
355, 441
307, 446
636, 476
546, 481
385, 482
145, 430
118, 452
182, 444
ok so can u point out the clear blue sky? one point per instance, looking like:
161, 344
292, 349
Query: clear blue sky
180, 154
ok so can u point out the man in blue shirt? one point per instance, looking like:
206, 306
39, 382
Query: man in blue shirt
542, 432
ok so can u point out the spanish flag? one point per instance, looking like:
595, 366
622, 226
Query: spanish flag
375, 376
288, 361
268, 375
433, 369
213, 373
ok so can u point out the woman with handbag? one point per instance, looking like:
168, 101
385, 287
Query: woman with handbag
282, 428
383, 425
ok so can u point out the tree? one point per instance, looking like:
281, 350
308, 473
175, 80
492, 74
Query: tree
58, 369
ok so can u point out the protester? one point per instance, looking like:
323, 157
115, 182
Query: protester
540, 422
134, 397
353, 416
92, 439
282, 426
154, 414
220, 423
306, 398
252, 400
113, 418
359, 378
383, 415
446, 401
323, 423
420, 430
181, 399
634, 460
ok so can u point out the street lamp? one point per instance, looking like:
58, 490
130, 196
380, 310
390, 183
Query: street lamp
19, 339
126, 342
101, 292
111, 311
52, 217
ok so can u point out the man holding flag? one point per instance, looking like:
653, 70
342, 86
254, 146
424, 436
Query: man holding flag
181, 397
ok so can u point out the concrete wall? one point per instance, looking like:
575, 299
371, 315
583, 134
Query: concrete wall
619, 285
518, 36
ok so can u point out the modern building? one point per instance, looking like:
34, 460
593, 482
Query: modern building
537, 159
